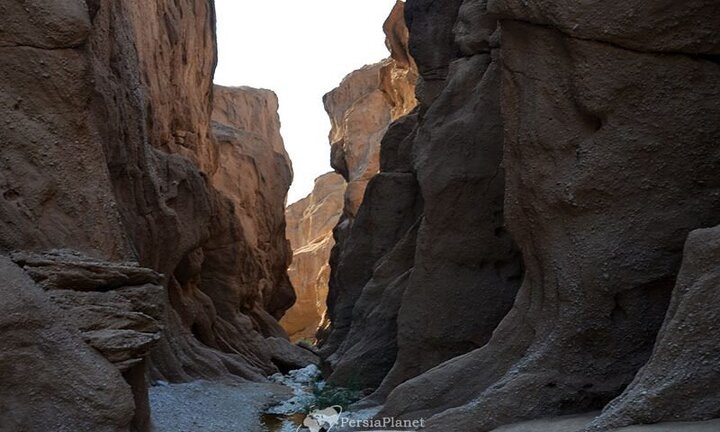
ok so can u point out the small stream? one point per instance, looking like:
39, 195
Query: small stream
313, 399
282, 423
289, 415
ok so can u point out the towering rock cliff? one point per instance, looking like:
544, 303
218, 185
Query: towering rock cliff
430, 228
360, 110
537, 237
559, 126
255, 173
128, 231
231, 289
363, 106
309, 229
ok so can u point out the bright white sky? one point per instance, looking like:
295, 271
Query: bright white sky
301, 50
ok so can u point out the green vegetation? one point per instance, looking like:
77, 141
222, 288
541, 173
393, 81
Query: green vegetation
327, 395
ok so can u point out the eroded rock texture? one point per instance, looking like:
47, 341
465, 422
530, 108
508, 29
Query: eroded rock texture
593, 143
360, 114
146, 236
363, 106
680, 381
232, 288
51, 379
255, 173
599, 204
310, 222
361, 111
430, 228
116, 307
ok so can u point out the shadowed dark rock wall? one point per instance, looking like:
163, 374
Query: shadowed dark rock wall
361, 110
599, 204
589, 135
430, 227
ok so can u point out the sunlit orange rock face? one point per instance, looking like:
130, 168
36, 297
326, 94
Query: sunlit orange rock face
254, 172
309, 228
230, 290
361, 109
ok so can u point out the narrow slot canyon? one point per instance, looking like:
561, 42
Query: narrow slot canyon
510, 223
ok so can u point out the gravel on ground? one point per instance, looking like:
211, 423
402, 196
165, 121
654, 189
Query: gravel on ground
204, 406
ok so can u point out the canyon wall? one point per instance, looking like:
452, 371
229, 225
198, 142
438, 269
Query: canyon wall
430, 228
310, 222
361, 109
231, 288
544, 151
137, 233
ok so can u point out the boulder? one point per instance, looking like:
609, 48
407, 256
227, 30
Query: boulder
51, 379
288, 356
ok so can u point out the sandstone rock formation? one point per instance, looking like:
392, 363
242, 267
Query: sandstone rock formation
362, 108
398, 76
232, 288
51, 379
390, 208
309, 229
430, 231
361, 111
533, 239
255, 173
117, 308
153, 238
605, 226
594, 145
